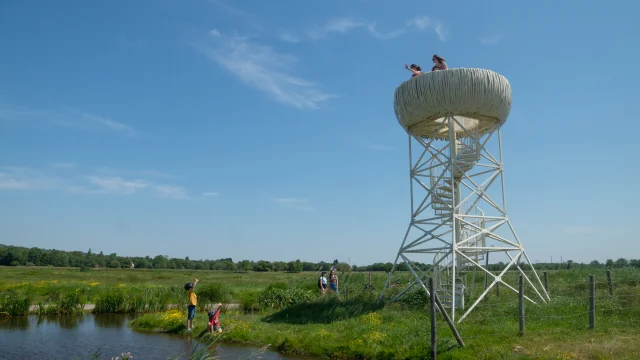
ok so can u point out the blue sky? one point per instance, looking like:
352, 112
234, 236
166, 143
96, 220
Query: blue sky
265, 130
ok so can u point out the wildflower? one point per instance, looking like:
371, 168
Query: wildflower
375, 336
372, 319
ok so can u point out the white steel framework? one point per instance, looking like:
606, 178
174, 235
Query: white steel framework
459, 216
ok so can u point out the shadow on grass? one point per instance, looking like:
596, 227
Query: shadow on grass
323, 311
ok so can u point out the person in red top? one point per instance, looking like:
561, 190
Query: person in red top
214, 320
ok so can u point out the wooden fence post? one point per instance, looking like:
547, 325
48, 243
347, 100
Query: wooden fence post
486, 275
448, 320
546, 281
432, 313
521, 304
592, 302
609, 281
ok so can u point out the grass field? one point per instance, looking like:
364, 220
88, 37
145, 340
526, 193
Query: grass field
357, 327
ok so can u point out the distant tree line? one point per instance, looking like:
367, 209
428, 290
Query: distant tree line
22, 256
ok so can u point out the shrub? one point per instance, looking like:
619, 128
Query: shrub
416, 299
281, 298
71, 302
110, 302
278, 286
15, 304
157, 299
249, 301
214, 293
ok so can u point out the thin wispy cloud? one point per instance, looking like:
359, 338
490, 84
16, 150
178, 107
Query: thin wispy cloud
290, 38
62, 165
265, 69
210, 194
105, 170
580, 230
21, 178
171, 192
120, 186
108, 123
80, 181
64, 117
339, 25
344, 25
294, 203
116, 185
226, 7
230, 9
442, 32
490, 40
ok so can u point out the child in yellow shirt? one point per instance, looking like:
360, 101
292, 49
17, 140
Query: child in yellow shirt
192, 302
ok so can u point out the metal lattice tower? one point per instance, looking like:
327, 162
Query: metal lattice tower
458, 210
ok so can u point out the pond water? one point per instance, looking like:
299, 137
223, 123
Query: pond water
79, 337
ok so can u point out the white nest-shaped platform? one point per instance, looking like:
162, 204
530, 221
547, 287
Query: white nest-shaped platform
478, 99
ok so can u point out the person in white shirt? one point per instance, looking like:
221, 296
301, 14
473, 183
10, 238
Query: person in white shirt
322, 283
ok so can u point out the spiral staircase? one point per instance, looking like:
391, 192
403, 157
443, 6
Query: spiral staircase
466, 156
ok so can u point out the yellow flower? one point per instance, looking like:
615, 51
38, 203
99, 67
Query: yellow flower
372, 319
375, 336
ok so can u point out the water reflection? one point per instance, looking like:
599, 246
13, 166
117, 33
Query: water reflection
112, 320
14, 322
79, 336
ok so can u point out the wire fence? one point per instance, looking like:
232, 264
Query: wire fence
580, 301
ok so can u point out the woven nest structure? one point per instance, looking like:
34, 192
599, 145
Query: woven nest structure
477, 99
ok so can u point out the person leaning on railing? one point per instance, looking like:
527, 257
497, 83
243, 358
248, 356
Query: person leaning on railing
439, 62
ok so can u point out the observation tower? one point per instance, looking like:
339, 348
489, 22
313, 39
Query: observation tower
458, 211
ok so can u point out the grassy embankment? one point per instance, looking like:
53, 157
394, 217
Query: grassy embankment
291, 318
65, 290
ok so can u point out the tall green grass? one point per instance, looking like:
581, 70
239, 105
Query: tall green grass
13, 303
63, 303
138, 300
110, 302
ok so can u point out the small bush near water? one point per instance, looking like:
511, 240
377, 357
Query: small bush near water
15, 303
110, 302
212, 294
67, 303
278, 298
